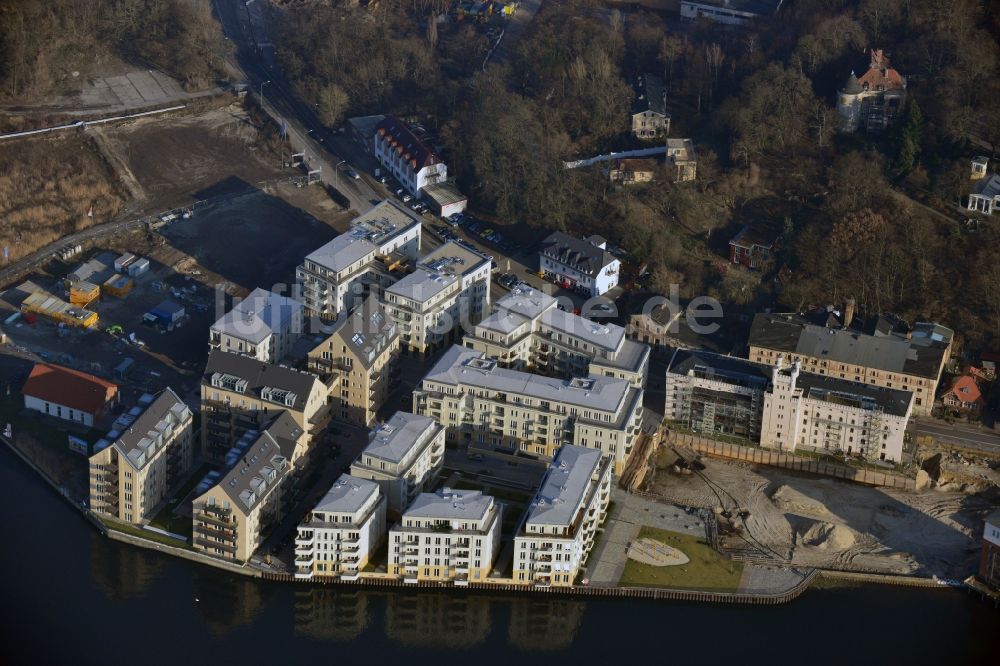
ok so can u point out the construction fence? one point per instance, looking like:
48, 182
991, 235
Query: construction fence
761, 456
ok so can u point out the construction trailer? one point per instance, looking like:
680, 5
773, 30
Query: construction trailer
138, 267
118, 286
83, 293
122, 263
57, 310
165, 315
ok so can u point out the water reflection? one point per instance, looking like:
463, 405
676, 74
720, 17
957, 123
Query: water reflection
437, 619
225, 602
121, 572
331, 615
544, 623
430, 619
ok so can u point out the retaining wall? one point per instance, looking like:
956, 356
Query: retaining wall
761, 456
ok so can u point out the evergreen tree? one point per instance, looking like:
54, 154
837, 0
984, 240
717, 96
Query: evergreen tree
908, 137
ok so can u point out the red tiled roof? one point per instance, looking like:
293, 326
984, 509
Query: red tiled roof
966, 389
70, 388
402, 139
881, 75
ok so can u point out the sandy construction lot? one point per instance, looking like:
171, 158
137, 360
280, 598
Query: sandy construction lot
775, 515
167, 161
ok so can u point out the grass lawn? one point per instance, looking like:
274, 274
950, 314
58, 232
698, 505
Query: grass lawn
166, 520
707, 570
139, 532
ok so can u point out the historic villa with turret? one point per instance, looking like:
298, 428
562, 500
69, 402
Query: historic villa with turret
872, 100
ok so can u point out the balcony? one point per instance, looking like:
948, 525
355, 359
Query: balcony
304, 574
303, 558
305, 539
213, 545
209, 531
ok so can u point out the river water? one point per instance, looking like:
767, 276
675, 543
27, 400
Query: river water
71, 596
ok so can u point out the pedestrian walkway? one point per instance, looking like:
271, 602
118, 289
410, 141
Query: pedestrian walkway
629, 514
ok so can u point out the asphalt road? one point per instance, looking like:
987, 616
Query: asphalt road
969, 436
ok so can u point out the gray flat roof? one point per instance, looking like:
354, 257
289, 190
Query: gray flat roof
526, 301
866, 396
502, 321
367, 234
564, 487
395, 438
258, 316
437, 271
347, 495
444, 193
145, 436
606, 336
422, 285
460, 366
630, 356
448, 504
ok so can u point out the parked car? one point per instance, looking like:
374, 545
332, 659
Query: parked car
383, 179
456, 218
407, 198
452, 221
494, 265
351, 173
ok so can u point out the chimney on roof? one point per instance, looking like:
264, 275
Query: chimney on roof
849, 306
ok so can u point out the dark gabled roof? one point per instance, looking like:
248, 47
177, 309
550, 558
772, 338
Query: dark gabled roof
891, 401
576, 253
246, 483
793, 334
367, 331
651, 95
749, 236
406, 143
260, 375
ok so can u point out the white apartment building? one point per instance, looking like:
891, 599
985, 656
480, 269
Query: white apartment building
406, 157
819, 413
484, 405
448, 535
340, 274
342, 531
451, 286
579, 264
560, 526
403, 456
133, 468
783, 408
528, 330
264, 326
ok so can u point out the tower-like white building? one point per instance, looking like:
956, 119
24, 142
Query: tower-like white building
872, 100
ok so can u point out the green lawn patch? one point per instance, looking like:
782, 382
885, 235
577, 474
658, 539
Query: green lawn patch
141, 533
166, 519
707, 570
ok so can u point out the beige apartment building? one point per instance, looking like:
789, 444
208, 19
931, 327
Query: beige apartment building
528, 330
342, 531
487, 406
448, 535
449, 288
133, 468
356, 362
403, 456
232, 518
910, 362
241, 394
560, 527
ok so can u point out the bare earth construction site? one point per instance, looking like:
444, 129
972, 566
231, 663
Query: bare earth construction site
772, 516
